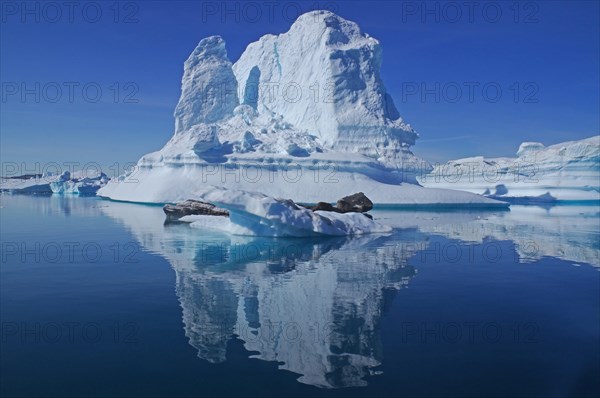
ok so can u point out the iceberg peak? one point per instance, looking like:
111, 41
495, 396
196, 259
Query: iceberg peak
527, 147
212, 46
323, 76
333, 28
208, 86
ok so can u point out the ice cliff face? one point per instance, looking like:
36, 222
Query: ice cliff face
564, 171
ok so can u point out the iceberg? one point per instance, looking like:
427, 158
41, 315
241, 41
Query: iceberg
78, 182
303, 114
256, 214
568, 171
31, 184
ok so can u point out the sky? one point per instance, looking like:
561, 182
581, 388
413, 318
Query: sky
97, 82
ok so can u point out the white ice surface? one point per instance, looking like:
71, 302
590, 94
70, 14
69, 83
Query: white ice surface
256, 214
301, 183
567, 171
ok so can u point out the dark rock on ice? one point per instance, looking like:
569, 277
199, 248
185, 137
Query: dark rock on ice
324, 206
358, 203
192, 207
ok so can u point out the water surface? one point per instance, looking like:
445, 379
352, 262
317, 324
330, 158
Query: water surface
101, 298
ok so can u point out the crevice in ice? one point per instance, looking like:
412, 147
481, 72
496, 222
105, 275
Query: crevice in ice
251, 91
277, 62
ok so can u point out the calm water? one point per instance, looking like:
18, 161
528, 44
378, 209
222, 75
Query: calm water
100, 298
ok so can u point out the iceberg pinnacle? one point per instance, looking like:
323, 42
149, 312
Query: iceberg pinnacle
208, 86
529, 147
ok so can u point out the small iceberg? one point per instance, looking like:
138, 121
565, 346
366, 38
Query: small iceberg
78, 183
256, 214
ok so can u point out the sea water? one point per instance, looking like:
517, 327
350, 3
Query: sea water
101, 298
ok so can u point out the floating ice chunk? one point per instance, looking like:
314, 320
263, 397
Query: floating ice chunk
78, 183
260, 215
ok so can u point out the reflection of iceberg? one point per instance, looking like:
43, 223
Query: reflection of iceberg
566, 232
313, 306
56, 204
319, 319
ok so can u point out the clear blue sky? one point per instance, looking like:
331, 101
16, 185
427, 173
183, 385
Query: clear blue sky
546, 51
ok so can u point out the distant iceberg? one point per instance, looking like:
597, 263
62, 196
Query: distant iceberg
569, 171
78, 183
302, 115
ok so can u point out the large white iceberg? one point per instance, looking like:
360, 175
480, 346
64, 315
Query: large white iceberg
569, 171
301, 115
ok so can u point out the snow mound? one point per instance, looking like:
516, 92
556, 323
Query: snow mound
566, 171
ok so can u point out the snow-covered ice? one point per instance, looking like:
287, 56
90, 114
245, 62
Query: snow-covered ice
256, 214
567, 171
302, 115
